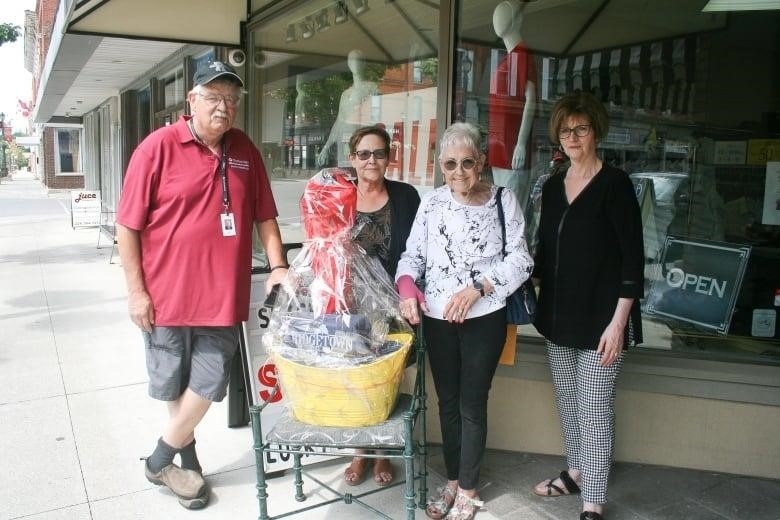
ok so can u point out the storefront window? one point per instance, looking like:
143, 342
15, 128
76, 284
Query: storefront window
144, 110
326, 68
170, 98
67, 159
694, 122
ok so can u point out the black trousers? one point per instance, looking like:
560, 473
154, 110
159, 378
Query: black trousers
463, 358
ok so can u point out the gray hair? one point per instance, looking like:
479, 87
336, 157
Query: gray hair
461, 134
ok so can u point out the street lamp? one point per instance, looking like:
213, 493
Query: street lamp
3, 164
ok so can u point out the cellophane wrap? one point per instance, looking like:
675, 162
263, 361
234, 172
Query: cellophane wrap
337, 307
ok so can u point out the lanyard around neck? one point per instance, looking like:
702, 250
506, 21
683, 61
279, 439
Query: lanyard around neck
222, 167
223, 174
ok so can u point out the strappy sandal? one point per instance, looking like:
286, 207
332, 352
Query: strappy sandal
355, 477
590, 515
464, 508
551, 490
437, 508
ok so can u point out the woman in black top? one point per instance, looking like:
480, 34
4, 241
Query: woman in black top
385, 212
590, 268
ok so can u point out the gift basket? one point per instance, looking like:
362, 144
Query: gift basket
335, 332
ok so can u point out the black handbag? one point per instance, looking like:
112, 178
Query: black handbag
521, 304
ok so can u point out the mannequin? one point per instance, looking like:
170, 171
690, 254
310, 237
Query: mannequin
512, 102
350, 116
300, 100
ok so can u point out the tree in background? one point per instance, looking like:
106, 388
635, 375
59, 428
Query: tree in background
9, 33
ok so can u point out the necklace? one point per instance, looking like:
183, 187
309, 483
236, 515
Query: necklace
373, 203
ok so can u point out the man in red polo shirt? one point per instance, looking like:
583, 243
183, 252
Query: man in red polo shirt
193, 193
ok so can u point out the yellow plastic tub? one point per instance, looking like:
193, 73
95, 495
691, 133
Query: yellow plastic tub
356, 396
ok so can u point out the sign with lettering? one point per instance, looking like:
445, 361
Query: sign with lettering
84, 208
761, 151
263, 377
730, 152
698, 282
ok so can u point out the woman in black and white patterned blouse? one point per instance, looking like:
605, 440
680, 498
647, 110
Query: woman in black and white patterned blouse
455, 245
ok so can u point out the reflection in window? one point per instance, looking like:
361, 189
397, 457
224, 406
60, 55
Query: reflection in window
694, 136
144, 111
173, 88
329, 78
68, 154
204, 58
326, 69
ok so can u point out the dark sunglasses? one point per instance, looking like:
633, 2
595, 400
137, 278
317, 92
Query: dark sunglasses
363, 155
467, 164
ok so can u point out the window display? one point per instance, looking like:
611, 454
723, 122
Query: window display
325, 68
683, 118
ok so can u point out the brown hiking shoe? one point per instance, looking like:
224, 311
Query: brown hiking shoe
185, 483
198, 502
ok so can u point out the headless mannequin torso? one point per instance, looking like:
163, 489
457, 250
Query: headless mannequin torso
518, 71
349, 117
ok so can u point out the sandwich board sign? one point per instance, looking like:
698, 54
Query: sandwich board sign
263, 378
84, 208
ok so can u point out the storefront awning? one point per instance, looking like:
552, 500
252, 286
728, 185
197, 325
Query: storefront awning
185, 21
570, 27
98, 47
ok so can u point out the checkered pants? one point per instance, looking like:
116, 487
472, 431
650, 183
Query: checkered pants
585, 396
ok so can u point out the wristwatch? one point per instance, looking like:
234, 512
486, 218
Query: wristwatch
478, 286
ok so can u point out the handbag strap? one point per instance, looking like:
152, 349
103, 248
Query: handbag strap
500, 207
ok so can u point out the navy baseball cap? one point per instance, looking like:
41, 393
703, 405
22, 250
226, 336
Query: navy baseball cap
212, 70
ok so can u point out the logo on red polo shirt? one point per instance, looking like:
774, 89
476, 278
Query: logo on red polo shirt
238, 164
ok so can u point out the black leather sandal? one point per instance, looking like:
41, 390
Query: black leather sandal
590, 515
569, 487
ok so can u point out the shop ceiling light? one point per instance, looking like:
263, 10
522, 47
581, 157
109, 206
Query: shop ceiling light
307, 28
741, 5
361, 6
323, 24
341, 13
290, 37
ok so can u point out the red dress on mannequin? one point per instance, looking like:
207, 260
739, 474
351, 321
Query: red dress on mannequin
506, 102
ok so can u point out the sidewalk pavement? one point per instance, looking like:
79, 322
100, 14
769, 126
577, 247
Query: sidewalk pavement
75, 416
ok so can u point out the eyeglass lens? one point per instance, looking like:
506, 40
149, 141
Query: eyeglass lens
214, 99
379, 153
579, 131
467, 164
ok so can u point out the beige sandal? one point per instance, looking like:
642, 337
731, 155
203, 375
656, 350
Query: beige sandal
357, 471
439, 507
465, 507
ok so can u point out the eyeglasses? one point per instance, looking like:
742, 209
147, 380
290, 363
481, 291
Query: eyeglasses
363, 155
579, 131
215, 99
467, 164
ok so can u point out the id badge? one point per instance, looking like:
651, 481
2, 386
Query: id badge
228, 224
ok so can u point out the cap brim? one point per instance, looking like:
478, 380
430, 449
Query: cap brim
224, 75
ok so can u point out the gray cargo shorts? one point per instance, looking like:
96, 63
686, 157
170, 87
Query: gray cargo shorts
197, 358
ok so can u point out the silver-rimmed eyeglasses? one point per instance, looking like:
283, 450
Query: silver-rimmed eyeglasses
215, 99
579, 131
